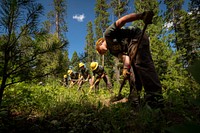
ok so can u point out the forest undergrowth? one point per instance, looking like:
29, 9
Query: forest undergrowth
54, 108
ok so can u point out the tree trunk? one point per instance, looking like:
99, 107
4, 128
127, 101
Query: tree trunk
57, 25
1, 91
3, 82
3, 85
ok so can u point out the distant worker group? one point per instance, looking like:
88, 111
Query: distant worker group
72, 78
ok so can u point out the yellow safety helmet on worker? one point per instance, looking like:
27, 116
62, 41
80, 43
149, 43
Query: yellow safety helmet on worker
94, 65
65, 76
81, 64
69, 72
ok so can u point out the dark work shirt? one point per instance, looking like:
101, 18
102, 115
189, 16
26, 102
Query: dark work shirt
118, 40
74, 76
84, 72
99, 71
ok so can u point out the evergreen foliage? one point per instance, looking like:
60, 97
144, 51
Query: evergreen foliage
90, 51
75, 60
101, 21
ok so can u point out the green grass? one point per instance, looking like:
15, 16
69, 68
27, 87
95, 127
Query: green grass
54, 108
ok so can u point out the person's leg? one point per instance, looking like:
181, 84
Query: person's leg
97, 86
149, 78
108, 83
135, 87
80, 86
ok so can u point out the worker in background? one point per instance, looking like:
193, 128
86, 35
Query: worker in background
84, 76
100, 73
65, 80
73, 77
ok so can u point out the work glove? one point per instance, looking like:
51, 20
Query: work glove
147, 17
126, 72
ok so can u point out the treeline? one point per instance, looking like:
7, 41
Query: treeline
33, 52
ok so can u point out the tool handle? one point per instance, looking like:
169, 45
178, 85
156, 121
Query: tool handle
139, 42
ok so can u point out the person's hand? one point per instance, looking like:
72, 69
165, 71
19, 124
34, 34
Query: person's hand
147, 17
125, 72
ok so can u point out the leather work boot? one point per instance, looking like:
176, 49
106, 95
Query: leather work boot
134, 98
154, 100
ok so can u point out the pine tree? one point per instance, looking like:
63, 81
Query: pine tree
194, 31
119, 7
101, 20
186, 30
57, 19
90, 51
173, 14
18, 19
75, 60
195, 19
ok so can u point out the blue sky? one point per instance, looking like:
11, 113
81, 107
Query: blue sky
79, 13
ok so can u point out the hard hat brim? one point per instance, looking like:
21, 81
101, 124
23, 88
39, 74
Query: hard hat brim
96, 65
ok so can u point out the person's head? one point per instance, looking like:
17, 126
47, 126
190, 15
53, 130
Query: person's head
81, 65
101, 46
94, 65
65, 76
69, 72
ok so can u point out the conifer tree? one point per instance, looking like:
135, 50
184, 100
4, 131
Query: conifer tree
18, 19
189, 33
58, 17
75, 60
101, 20
57, 22
195, 29
119, 7
186, 30
90, 51
172, 15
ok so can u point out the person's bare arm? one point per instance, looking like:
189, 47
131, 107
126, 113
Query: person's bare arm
92, 80
126, 60
128, 18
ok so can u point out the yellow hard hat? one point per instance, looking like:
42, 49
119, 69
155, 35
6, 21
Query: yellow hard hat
94, 65
69, 72
65, 76
81, 64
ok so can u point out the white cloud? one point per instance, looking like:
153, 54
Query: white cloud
168, 25
79, 17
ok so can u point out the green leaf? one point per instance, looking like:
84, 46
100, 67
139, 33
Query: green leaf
194, 69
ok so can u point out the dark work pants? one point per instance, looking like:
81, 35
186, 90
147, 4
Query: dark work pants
144, 69
106, 80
